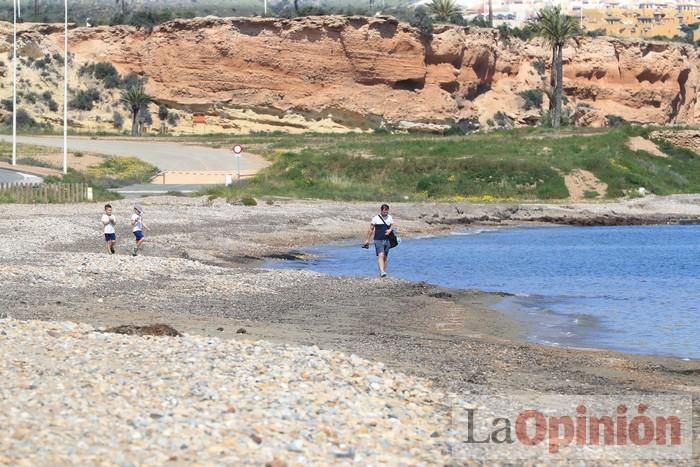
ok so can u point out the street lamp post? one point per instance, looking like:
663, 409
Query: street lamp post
17, 13
65, 88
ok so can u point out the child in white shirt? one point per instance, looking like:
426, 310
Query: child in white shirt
109, 221
139, 225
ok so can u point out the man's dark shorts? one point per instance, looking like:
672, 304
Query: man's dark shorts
110, 237
382, 246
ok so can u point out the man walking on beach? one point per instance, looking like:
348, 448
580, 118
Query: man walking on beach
109, 221
139, 225
382, 225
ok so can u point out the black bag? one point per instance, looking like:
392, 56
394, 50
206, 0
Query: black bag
393, 239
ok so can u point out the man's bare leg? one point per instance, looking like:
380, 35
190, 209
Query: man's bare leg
381, 262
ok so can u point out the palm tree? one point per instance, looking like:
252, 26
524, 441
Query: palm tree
556, 29
135, 99
444, 10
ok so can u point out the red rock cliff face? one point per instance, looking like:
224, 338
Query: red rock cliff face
364, 71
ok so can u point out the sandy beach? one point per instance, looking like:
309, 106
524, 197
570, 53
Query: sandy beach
202, 273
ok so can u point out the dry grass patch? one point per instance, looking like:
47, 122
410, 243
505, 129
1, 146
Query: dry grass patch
582, 184
638, 143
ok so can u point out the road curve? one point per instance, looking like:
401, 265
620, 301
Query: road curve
164, 155
12, 176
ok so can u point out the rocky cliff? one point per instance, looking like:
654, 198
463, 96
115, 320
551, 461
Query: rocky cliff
360, 72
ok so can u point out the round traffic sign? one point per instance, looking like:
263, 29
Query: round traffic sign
237, 148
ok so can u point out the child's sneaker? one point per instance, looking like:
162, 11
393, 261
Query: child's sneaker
111, 249
382, 274
134, 252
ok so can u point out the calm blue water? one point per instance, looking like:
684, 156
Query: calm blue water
635, 289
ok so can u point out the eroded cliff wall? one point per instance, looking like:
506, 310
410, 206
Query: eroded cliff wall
363, 72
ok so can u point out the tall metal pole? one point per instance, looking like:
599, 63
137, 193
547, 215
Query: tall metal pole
65, 88
15, 5
265, 1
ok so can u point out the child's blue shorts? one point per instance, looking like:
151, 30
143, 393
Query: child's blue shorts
110, 237
138, 234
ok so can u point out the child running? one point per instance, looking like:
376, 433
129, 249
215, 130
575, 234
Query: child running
139, 225
109, 221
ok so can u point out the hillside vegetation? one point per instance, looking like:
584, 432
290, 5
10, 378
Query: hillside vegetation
524, 164
148, 13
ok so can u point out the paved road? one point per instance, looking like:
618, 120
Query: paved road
164, 155
10, 176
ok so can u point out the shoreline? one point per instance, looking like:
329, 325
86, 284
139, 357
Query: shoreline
513, 315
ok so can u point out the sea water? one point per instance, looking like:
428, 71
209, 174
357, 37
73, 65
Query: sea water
630, 288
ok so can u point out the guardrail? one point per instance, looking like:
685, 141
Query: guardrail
25, 193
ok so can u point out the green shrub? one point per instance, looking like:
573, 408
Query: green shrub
533, 98
615, 121
117, 171
173, 118
503, 120
421, 21
248, 201
148, 19
24, 120
539, 66
84, 99
145, 117
162, 112
6, 197
595, 33
33, 161
42, 63
132, 80
53, 106
454, 130
117, 120
108, 75
104, 72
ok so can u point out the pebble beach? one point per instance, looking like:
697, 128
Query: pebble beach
274, 367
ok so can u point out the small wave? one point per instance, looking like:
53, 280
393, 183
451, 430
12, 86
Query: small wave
470, 232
